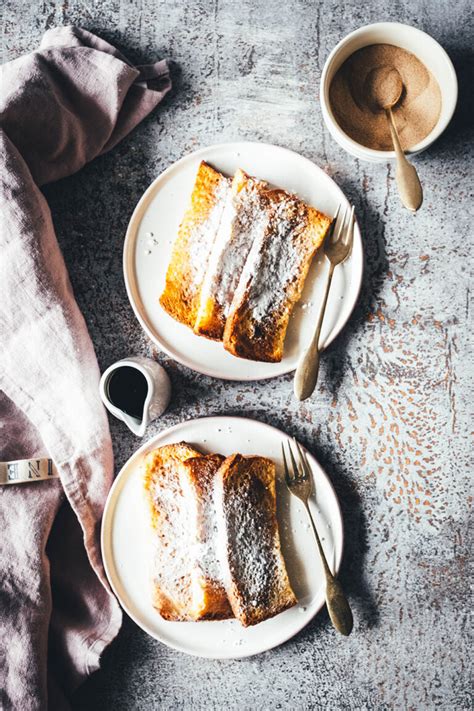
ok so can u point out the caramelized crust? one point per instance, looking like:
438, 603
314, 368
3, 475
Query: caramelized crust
193, 245
217, 545
243, 218
240, 261
173, 572
201, 472
273, 278
255, 575
187, 582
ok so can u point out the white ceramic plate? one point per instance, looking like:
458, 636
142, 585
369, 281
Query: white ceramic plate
126, 543
159, 213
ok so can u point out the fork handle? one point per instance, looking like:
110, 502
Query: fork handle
306, 375
338, 607
336, 601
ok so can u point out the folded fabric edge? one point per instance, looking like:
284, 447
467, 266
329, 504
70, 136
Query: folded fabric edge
95, 648
95, 642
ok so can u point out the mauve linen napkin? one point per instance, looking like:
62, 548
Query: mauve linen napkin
62, 105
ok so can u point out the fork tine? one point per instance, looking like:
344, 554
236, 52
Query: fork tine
332, 226
309, 470
349, 233
335, 219
340, 228
296, 471
287, 473
304, 462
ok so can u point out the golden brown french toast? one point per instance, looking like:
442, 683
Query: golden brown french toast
217, 547
244, 217
182, 590
185, 585
255, 576
273, 278
201, 472
174, 594
193, 245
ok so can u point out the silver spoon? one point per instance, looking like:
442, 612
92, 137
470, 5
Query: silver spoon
386, 87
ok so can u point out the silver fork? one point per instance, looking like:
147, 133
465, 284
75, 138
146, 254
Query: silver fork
337, 246
299, 482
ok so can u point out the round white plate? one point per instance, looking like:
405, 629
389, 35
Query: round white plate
159, 213
126, 543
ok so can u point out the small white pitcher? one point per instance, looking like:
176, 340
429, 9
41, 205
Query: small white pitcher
157, 397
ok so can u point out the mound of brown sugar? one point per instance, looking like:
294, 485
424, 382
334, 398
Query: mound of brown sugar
416, 113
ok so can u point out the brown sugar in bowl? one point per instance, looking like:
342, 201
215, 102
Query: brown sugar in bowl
425, 49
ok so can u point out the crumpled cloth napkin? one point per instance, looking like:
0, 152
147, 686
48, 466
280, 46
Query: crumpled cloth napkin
65, 103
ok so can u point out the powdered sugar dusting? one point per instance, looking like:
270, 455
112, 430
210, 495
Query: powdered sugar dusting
250, 554
187, 533
218, 532
275, 260
221, 538
172, 568
206, 551
203, 238
243, 220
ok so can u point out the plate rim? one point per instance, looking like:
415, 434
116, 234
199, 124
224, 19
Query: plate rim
106, 527
132, 229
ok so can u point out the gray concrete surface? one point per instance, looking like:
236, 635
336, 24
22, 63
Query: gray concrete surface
390, 422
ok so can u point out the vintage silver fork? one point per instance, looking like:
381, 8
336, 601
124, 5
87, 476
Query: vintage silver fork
300, 484
337, 246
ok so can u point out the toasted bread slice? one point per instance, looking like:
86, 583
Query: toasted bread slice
176, 594
185, 582
255, 576
201, 472
193, 244
244, 217
273, 278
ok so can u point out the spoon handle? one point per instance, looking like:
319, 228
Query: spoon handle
307, 370
409, 186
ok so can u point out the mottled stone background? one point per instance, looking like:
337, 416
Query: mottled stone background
390, 422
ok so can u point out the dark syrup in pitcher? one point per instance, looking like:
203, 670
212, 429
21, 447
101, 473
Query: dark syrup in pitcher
128, 389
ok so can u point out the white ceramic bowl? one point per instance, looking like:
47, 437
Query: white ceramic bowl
420, 44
